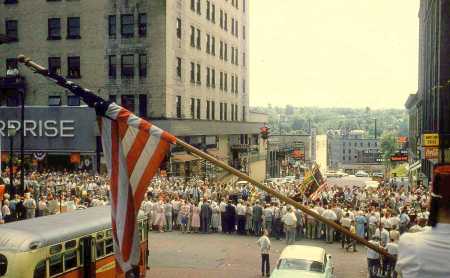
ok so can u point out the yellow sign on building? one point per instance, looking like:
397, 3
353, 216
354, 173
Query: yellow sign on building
430, 140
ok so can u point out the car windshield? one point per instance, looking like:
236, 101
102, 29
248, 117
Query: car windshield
296, 264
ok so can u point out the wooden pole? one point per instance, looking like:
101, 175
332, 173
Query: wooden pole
280, 196
39, 69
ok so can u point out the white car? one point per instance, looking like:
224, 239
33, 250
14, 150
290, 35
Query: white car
303, 261
360, 174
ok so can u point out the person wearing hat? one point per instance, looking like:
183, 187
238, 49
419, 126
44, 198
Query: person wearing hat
426, 254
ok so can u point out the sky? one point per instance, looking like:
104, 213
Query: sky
333, 53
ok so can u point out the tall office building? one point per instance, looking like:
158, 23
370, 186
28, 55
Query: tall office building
181, 63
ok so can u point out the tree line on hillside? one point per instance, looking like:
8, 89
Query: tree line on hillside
299, 120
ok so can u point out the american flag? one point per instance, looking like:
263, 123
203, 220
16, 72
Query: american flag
134, 149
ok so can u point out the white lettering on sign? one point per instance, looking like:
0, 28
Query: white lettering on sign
48, 128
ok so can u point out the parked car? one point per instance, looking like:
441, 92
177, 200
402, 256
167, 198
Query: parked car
361, 174
303, 261
378, 175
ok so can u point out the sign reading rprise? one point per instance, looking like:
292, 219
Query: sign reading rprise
48, 128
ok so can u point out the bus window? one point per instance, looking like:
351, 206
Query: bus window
100, 249
70, 244
55, 249
109, 246
70, 260
56, 265
40, 270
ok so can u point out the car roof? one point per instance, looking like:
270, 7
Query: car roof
303, 252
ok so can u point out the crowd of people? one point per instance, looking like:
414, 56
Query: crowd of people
196, 206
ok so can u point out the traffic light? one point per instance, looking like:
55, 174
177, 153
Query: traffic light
264, 132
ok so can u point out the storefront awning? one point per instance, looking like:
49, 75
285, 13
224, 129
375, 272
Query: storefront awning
217, 154
183, 158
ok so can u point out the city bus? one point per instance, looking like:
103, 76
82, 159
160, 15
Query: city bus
76, 244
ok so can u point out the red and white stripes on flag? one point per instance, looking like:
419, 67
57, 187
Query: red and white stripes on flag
317, 194
134, 149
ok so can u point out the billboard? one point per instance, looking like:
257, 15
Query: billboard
55, 129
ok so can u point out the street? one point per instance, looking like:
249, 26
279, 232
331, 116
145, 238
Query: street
216, 255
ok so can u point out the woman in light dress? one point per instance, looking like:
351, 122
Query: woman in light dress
195, 223
160, 218
215, 220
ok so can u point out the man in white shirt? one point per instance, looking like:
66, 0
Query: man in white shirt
373, 258
426, 254
290, 223
264, 245
329, 231
389, 263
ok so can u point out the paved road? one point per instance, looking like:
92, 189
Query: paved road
348, 181
217, 255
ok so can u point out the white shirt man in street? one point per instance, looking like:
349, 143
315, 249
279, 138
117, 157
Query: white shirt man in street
329, 230
373, 258
290, 223
264, 246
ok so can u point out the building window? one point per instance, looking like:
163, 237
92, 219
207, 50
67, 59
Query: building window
232, 55
199, 7
179, 28
208, 10
225, 112
11, 30
213, 78
112, 66
213, 46
243, 59
199, 74
178, 106
232, 26
221, 81
243, 32
225, 51
236, 112
193, 5
112, 98
54, 29
142, 22
142, 65
179, 67
54, 65
127, 25
143, 106
232, 112
208, 77
193, 108
199, 39
225, 22
54, 101
232, 83
73, 101
112, 26
73, 28
225, 77
243, 86
192, 36
73, 67
236, 28
208, 43
213, 13
244, 6
192, 72
243, 114
221, 19
221, 111
221, 50
10, 2
127, 102
128, 65
213, 110
208, 109
236, 84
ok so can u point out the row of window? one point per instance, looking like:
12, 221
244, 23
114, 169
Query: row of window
127, 65
210, 113
73, 28
361, 144
223, 22
195, 77
128, 25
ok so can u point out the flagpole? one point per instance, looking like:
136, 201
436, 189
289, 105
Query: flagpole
90, 98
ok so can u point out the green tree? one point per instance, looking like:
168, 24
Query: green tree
388, 146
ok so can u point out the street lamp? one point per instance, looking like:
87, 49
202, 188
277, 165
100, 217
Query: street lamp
11, 133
